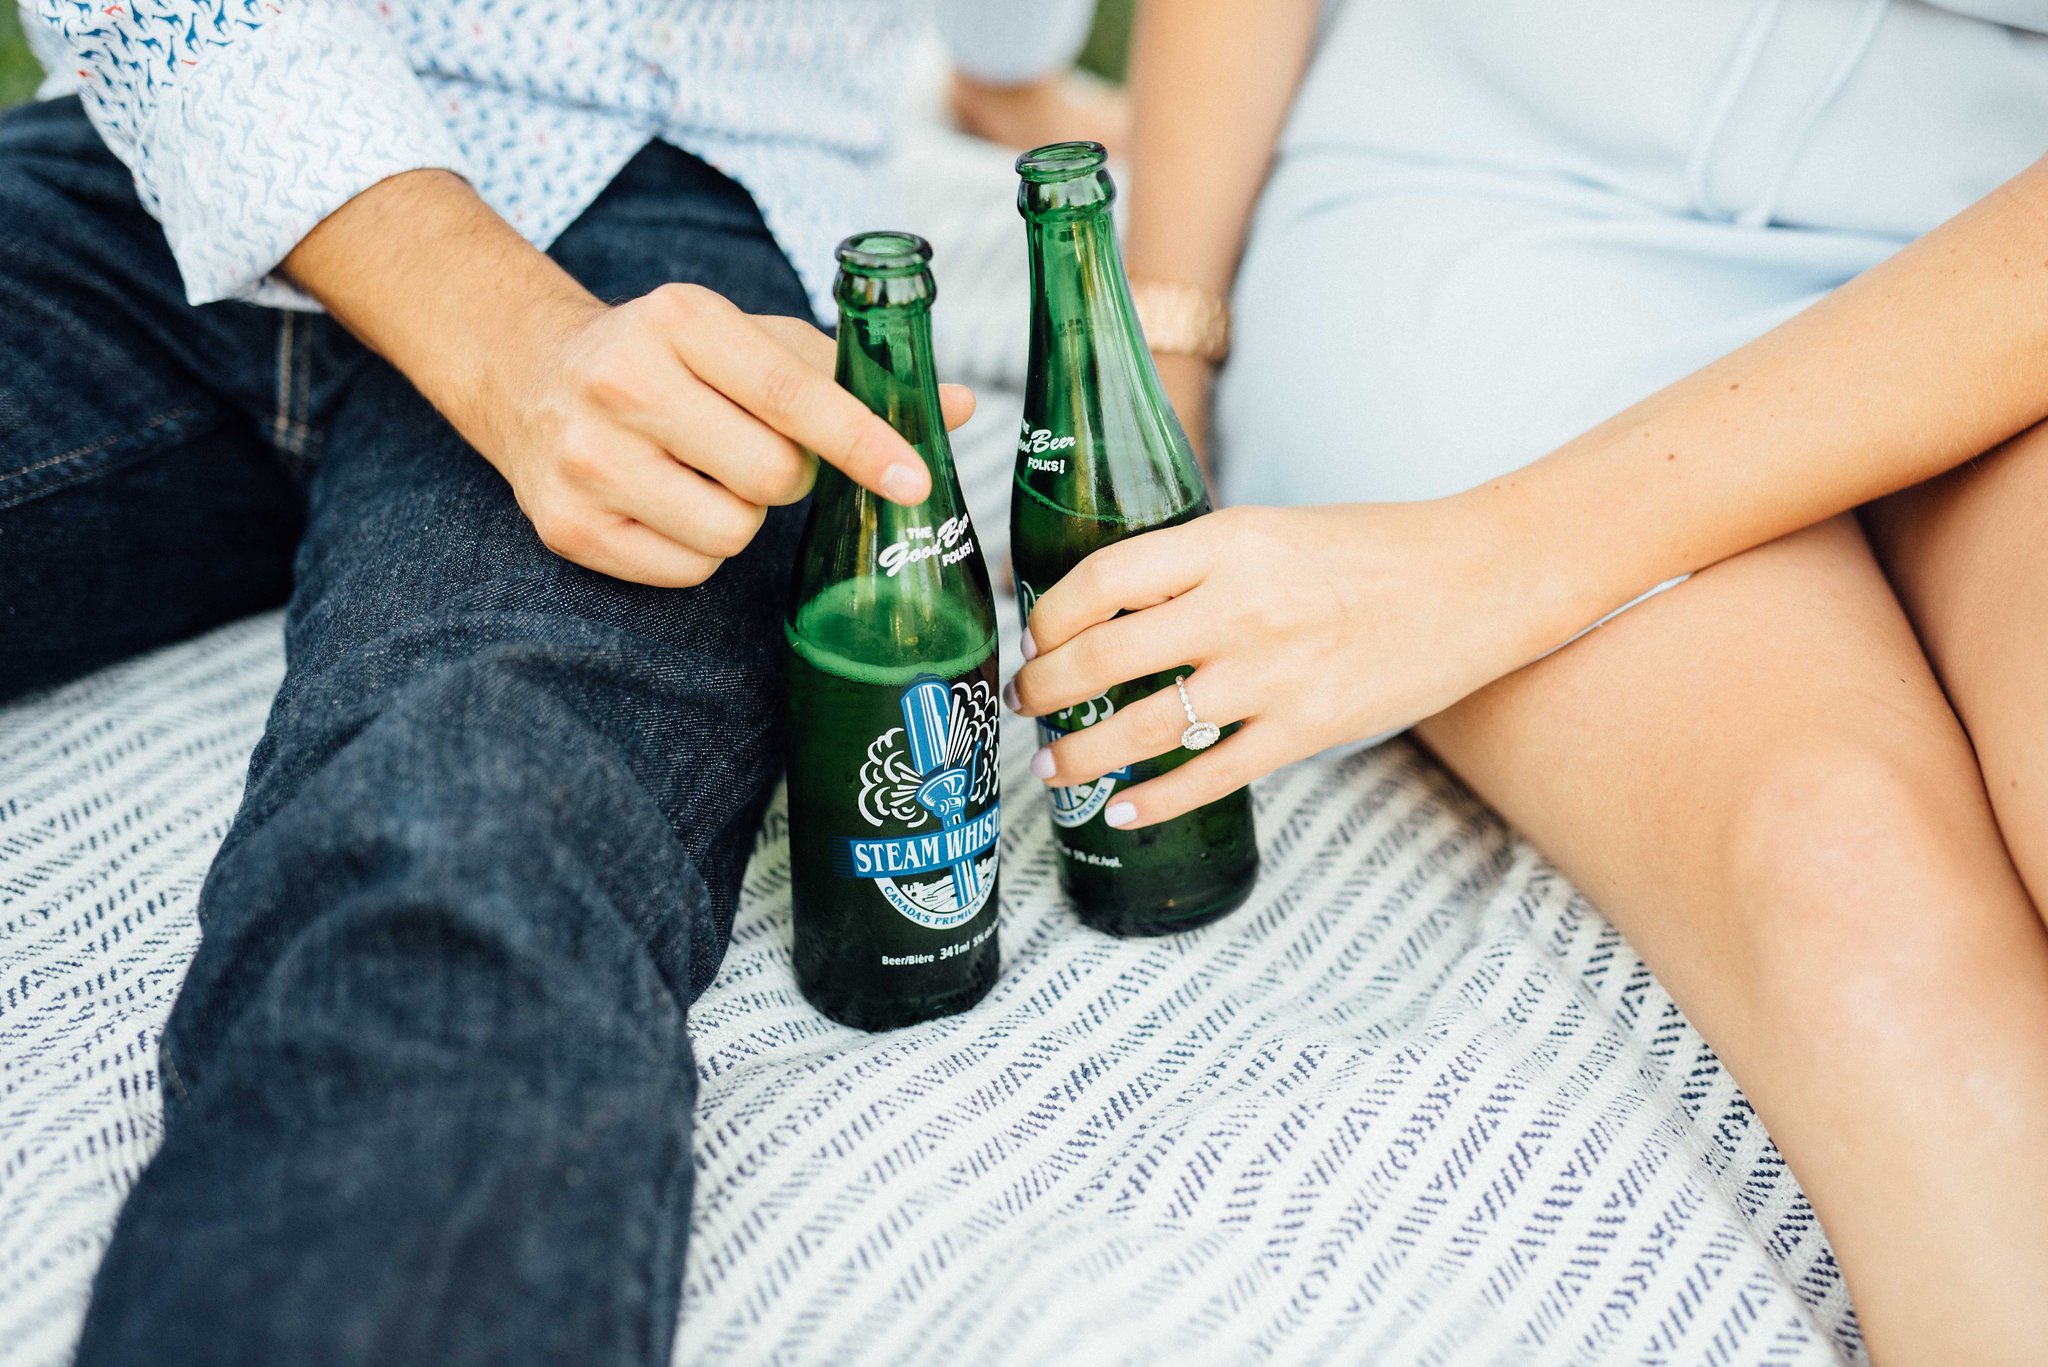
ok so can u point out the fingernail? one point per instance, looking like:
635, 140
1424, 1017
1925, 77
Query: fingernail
1120, 813
1030, 647
903, 483
1010, 696
1041, 763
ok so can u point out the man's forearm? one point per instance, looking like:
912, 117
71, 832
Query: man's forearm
431, 278
1922, 362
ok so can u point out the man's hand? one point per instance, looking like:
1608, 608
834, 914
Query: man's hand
649, 440
646, 441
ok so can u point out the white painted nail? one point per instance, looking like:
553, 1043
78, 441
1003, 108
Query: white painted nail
1030, 646
1120, 814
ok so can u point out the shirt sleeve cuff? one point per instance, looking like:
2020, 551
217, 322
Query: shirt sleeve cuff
277, 131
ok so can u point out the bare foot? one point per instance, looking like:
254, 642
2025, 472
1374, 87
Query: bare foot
1061, 108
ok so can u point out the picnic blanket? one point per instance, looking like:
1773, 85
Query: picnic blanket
1416, 1103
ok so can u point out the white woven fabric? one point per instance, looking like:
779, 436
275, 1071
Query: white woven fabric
1415, 1104
114, 794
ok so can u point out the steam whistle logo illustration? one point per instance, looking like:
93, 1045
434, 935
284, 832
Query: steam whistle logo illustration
929, 776
927, 714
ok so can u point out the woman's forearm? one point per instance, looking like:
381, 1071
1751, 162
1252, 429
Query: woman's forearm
1211, 82
1922, 362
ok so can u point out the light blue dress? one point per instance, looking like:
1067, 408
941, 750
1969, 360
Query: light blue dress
1495, 223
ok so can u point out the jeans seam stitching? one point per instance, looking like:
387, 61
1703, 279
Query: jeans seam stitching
303, 410
283, 394
78, 452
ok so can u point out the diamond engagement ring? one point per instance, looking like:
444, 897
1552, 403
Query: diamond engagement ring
1200, 734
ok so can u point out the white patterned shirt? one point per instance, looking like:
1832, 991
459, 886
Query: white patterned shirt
246, 122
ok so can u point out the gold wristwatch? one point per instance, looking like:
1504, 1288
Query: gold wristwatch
1182, 320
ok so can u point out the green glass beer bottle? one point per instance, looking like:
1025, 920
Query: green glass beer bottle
893, 800
1102, 457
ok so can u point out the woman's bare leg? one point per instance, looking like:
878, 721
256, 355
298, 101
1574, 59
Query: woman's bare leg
1968, 554
1757, 778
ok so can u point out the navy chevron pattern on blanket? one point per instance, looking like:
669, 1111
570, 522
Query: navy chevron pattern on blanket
1415, 1104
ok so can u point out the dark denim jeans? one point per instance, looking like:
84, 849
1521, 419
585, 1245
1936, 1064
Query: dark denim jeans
427, 1085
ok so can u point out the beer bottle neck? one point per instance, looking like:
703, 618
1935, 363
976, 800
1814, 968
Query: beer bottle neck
1091, 377
885, 361
1081, 302
878, 582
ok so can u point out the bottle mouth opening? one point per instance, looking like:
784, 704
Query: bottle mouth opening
886, 253
1061, 161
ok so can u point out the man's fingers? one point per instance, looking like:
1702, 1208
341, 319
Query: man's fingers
1123, 577
956, 401
1174, 634
683, 506
1144, 730
1254, 751
624, 549
707, 431
761, 373
800, 335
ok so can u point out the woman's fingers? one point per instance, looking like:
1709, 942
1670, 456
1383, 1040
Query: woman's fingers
1256, 600
1147, 728
1257, 749
1173, 635
1136, 573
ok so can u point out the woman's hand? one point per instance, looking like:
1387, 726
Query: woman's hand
1312, 626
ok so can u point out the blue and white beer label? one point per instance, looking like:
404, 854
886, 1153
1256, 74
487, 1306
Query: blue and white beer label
931, 783
1080, 803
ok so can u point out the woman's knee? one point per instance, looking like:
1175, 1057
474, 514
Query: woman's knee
1863, 873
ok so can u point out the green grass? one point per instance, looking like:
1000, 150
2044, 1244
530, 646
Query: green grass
1109, 43
18, 71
